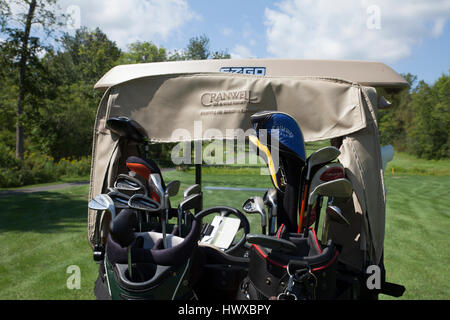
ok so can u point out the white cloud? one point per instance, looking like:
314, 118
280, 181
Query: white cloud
227, 32
132, 20
438, 27
351, 29
241, 52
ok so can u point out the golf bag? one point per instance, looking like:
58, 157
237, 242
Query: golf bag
157, 273
309, 273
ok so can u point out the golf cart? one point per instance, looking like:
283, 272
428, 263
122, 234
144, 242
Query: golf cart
278, 105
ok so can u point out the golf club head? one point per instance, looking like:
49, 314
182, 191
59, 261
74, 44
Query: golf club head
127, 128
156, 183
255, 204
125, 182
321, 156
192, 202
172, 188
142, 167
120, 199
279, 141
103, 202
340, 188
194, 189
335, 214
328, 172
270, 199
143, 203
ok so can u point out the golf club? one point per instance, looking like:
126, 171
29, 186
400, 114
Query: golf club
120, 199
333, 213
255, 204
340, 188
279, 141
156, 182
328, 172
194, 189
171, 190
144, 206
129, 129
193, 201
270, 200
125, 182
143, 168
319, 157
101, 202
143, 202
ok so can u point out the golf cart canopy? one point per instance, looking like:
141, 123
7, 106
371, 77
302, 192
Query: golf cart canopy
201, 100
372, 74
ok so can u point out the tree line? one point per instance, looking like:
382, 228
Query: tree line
48, 105
418, 122
47, 100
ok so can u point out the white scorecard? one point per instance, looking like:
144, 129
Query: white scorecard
223, 232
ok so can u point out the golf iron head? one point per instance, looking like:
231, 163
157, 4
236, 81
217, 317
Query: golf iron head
334, 214
255, 204
143, 203
128, 183
103, 202
270, 200
321, 156
339, 188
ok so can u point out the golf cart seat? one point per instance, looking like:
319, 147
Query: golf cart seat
311, 267
157, 271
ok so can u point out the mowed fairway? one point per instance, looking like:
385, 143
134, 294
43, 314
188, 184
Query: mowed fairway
43, 234
417, 251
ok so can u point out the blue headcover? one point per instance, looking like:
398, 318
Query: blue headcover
290, 135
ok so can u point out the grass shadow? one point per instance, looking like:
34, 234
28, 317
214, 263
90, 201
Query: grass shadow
44, 212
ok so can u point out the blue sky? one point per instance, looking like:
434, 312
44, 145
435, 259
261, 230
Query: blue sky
408, 35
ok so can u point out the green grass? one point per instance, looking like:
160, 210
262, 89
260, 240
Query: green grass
417, 251
405, 163
43, 234
61, 180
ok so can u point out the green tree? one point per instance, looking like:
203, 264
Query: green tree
90, 53
62, 126
394, 121
428, 135
143, 52
18, 27
8, 95
198, 49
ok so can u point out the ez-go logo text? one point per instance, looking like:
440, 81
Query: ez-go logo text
257, 71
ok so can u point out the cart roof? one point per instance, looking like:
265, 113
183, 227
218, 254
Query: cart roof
366, 73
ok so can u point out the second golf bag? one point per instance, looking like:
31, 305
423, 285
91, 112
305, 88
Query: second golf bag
293, 268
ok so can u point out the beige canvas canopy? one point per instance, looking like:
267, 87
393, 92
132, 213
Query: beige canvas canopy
192, 100
372, 74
